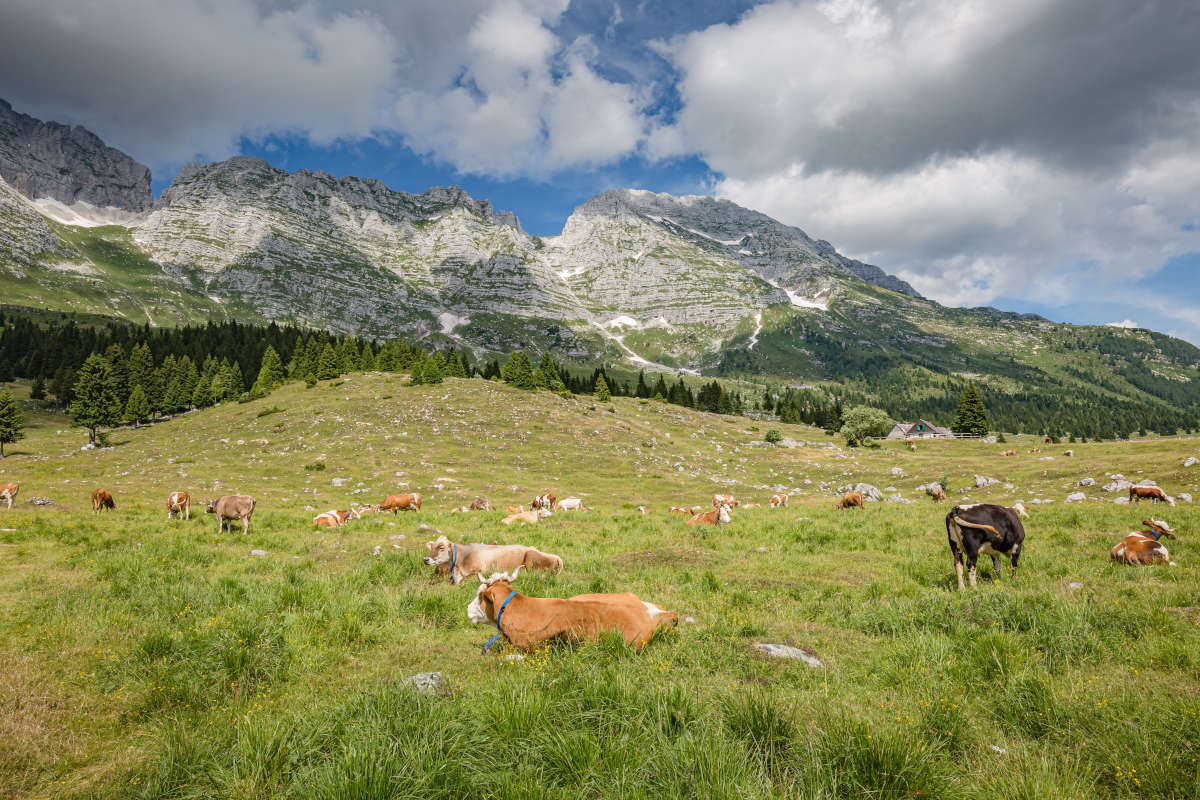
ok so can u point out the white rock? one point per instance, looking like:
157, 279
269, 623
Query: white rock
787, 651
1086, 482
897, 472
982, 481
1076, 497
1191, 461
340, 481
429, 683
1121, 501
257, 553
1184, 496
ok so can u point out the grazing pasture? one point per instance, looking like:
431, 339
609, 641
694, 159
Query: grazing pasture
146, 658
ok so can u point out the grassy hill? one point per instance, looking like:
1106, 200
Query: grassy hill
141, 658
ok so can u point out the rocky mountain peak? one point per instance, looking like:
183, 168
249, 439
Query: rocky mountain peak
68, 164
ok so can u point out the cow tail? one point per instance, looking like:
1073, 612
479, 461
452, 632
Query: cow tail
978, 526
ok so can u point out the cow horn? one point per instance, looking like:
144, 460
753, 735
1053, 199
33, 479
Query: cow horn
513, 576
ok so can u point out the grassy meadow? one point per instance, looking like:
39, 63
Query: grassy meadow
141, 658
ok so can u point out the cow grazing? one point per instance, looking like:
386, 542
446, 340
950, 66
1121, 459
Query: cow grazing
229, 508
515, 509
851, 500
1020, 509
718, 516
1143, 548
779, 501
938, 494
983, 528
335, 519
8, 492
464, 560
544, 500
724, 499
102, 499
569, 504
1048, 440
912, 444
527, 517
528, 621
1152, 493
179, 504
401, 502
481, 504
680, 510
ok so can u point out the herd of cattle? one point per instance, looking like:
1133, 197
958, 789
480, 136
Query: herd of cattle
973, 530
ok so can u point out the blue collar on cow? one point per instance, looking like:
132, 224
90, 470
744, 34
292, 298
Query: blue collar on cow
1156, 532
499, 614
453, 562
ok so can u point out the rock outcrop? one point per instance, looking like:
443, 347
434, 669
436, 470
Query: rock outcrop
68, 164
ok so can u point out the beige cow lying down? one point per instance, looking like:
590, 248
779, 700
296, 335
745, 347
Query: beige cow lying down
527, 621
465, 560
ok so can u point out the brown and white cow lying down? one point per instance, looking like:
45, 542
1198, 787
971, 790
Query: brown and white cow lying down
544, 500
984, 528
779, 501
724, 499
179, 504
481, 504
232, 507
528, 621
1009, 453
1152, 493
680, 510
1144, 547
464, 560
515, 509
527, 517
335, 519
8, 492
851, 500
401, 502
102, 499
718, 516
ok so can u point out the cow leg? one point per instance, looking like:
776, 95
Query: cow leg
972, 564
995, 567
245, 525
1016, 554
958, 566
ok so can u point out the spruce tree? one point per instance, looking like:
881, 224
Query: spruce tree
12, 423
327, 363
202, 395
141, 368
366, 358
971, 416
237, 384
434, 369
602, 393
137, 409
115, 355
270, 373
38, 390
418, 373
522, 372
96, 402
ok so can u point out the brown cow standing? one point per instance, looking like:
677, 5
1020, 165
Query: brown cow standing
8, 491
102, 499
401, 502
1152, 493
179, 504
779, 501
938, 494
232, 507
1143, 547
851, 500
544, 500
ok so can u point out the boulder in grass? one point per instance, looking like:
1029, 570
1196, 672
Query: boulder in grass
428, 683
1191, 461
1076, 497
805, 654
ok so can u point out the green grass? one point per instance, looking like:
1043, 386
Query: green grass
141, 658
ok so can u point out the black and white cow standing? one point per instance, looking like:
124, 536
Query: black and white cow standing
984, 528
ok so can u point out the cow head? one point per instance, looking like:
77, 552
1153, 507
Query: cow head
438, 552
490, 595
723, 515
211, 507
1159, 527
544, 512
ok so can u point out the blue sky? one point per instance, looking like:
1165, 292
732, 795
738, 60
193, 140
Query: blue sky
1035, 155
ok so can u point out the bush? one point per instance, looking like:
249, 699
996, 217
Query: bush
268, 411
773, 436
316, 466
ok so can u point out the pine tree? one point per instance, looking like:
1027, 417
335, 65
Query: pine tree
115, 356
522, 371
455, 366
418, 373
202, 396
141, 368
237, 384
296, 367
38, 390
602, 393
6, 370
366, 358
327, 363
12, 422
971, 416
434, 369
189, 376
96, 403
137, 410
347, 354
270, 373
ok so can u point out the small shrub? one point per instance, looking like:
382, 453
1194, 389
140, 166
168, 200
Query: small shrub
268, 411
316, 466
773, 436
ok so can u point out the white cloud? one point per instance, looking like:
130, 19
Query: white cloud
1123, 324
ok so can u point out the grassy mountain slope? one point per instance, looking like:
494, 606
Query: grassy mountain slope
145, 659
